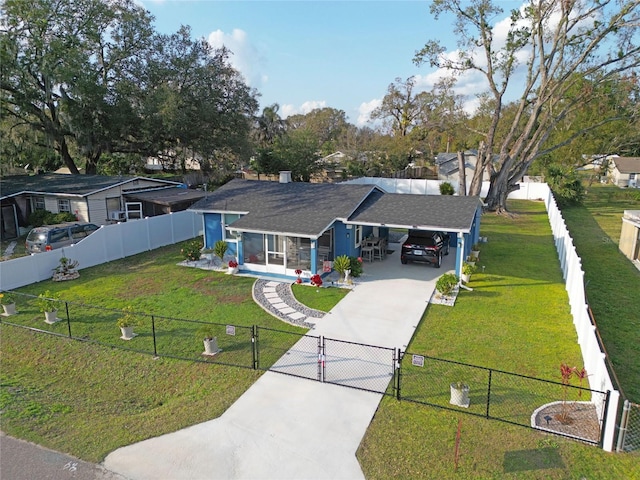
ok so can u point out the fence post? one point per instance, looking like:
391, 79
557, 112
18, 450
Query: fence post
254, 346
398, 374
622, 432
321, 359
489, 392
66, 306
153, 330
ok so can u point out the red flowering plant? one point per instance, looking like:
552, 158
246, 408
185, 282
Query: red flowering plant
233, 264
298, 273
316, 280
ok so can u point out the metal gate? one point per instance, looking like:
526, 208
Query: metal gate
299, 360
356, 365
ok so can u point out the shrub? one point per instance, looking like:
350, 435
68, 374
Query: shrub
220, 248
44, 217
48, 301
191, 250
446, 189
128, 318
446, 283
38, 218
356, 266
63, 217
342, 264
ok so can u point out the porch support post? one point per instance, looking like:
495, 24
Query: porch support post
459, 253
314, 257
240, 252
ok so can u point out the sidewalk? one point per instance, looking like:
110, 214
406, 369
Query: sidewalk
285, 427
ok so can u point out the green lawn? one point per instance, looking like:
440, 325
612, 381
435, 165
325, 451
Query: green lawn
613, 282
516, 319
88, 399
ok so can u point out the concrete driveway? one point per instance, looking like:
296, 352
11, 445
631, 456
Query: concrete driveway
285, 427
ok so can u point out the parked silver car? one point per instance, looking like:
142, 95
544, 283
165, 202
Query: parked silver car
50, 237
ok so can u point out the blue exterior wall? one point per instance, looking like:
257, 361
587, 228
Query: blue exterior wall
212, 229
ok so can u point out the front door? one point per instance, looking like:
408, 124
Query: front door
275, 248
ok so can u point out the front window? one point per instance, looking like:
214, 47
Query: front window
358, 235
38, 203
229, 218
64, 205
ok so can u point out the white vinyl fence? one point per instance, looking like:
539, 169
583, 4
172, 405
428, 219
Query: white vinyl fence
419, 186
110, 242
592, 355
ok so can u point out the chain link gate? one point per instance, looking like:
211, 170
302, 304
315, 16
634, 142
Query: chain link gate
357, 365
629, 435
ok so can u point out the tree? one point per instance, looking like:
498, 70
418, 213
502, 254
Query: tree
327, 124
595, 39
94, 78
296, 151
61, 60
268, 126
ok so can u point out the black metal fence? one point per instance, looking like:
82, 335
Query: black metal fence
565, 410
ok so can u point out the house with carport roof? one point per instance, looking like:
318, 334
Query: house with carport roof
275, 228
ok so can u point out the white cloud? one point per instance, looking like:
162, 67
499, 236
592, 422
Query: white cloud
365, 109
245, 57
288, 109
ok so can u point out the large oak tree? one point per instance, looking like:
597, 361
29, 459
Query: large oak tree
548, 49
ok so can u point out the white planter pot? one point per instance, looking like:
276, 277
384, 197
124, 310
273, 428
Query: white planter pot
210, 346
9, 309
232, 270
127, 333
459, 396
465, 277
51, 317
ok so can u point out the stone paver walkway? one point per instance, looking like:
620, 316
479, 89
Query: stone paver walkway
277, 299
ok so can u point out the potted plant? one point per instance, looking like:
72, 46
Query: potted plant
220, 249
342, 264
66, 270
49, 303
475, 251
459, 394
126, 323
8, 303
207, 333
232, 267
468, 269
446, 283
298, 272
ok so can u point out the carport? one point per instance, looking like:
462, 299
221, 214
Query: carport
456, 215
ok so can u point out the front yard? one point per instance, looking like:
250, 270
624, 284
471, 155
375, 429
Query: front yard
87, 399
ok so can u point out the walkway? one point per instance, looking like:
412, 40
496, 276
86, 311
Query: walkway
285, 427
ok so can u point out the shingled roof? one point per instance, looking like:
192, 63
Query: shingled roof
295, 208
62, 184
308, 209
427, 212
627, 164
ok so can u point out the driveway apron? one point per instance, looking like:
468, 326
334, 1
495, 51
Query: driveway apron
285, 427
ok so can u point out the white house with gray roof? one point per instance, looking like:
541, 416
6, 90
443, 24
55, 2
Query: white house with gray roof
275, 228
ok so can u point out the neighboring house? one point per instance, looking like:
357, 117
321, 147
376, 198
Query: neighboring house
277, 227
630, 235
91, 198
449, 168
625, 171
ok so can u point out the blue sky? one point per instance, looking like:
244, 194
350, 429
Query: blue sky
310, 54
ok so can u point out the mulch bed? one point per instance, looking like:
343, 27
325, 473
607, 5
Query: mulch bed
583, 423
